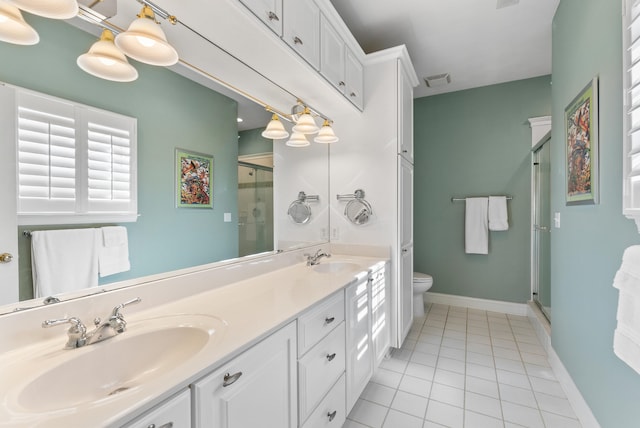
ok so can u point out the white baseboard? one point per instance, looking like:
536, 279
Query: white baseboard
580, 406
475, 303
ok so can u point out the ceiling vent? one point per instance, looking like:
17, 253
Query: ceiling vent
96, 11
437, 80
500, 4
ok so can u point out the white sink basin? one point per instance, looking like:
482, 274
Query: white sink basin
147, 351
337, 267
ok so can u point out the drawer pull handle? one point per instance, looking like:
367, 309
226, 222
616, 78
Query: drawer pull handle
330, 357
297, 41
332, 415
353, 94
329, 320
273, 17
167, 425
230, 379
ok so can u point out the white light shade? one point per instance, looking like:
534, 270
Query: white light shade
56, 9
326, 134
105, 61
297, 140
145, 41
13, 28
306, 124
275, 129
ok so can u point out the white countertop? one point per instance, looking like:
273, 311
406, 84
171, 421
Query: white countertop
246, 311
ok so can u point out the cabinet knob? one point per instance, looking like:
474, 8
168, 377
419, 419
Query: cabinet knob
167, 425
230, 379
332, 415
297, 41
353, 94
6, 258
330, 357
404, 250
273, 17
405, 151
329, 320
341, 83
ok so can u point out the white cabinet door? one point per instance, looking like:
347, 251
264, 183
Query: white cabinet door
173, 413
269, 12
359, 367
332, 55
354, 80
405, 245
256, 389
405, 292
405, 115
405, 202
301, 29
380, 328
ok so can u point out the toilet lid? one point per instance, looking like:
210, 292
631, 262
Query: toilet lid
421, 277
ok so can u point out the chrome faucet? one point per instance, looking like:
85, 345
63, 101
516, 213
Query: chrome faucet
313, 260
78, 335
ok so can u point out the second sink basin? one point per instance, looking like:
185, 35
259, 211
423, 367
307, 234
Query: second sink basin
337, 267
149, 349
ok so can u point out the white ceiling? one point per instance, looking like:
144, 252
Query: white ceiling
475, 41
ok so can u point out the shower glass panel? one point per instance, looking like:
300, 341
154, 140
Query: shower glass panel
255, 208
542, 229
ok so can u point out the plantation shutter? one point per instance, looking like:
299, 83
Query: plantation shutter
631, 166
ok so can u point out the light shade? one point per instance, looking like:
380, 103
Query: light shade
326, 134
275, 129
145, 41
306, 124
56, 9
297, 140
13, 28
105, 61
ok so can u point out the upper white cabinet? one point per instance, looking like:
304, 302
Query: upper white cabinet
405, 115
269, 12
354, 80
301, 29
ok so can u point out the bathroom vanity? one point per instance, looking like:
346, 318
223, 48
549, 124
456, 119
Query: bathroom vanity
269, 342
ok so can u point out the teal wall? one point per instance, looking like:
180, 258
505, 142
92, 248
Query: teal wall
172, 112
472, 143
587, 249
252, 142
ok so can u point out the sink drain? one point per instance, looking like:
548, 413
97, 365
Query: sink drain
118, 390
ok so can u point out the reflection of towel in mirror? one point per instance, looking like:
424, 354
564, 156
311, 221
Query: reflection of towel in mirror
114, 251
64, 260
476, 233
626, 338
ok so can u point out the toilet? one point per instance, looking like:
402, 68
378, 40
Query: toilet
421, 283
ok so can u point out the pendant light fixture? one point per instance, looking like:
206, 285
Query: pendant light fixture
56, 9
13, 28
145, 41
297, 140
275, 129
105, 61
306, 124
326, 134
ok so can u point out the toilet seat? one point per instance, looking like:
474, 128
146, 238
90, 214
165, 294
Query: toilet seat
422, 277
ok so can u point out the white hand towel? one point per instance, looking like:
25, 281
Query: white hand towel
64, 260
476, 233
114, 251
498, 217
626, 342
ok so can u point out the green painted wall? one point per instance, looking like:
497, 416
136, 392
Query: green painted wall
172, 112
473, 143
587, 249
252, 142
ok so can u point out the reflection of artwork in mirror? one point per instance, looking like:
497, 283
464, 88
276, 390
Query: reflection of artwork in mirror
193, 176
581, 127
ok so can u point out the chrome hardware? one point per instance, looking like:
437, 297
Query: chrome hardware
50, 300
330, 357
6, 258
405, 151
352, 94
314, 260
167, 425
78, 336
341, 83
328, 320
230, 379
272, 16
541, 228
332, 415
405, 250
297, 41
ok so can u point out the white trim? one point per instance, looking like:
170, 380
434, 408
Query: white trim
580, 406
475, 303
397, 52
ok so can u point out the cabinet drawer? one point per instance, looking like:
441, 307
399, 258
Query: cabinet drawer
173, 413
331, 412
319, 369
319, 321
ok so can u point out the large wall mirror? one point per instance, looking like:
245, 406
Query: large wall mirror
254, 180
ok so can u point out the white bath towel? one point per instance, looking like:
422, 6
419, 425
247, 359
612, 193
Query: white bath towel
498, 217
476, 233
114, 251
626, 341
64, 260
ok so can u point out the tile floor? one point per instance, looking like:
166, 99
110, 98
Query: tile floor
466, 368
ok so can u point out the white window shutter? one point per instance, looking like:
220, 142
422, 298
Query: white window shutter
631, 162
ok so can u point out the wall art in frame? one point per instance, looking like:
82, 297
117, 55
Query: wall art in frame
194, 179
581, 143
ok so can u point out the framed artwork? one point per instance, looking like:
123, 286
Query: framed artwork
581, 143
194, 179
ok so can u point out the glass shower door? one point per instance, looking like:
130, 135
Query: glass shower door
255, 209
541, 271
